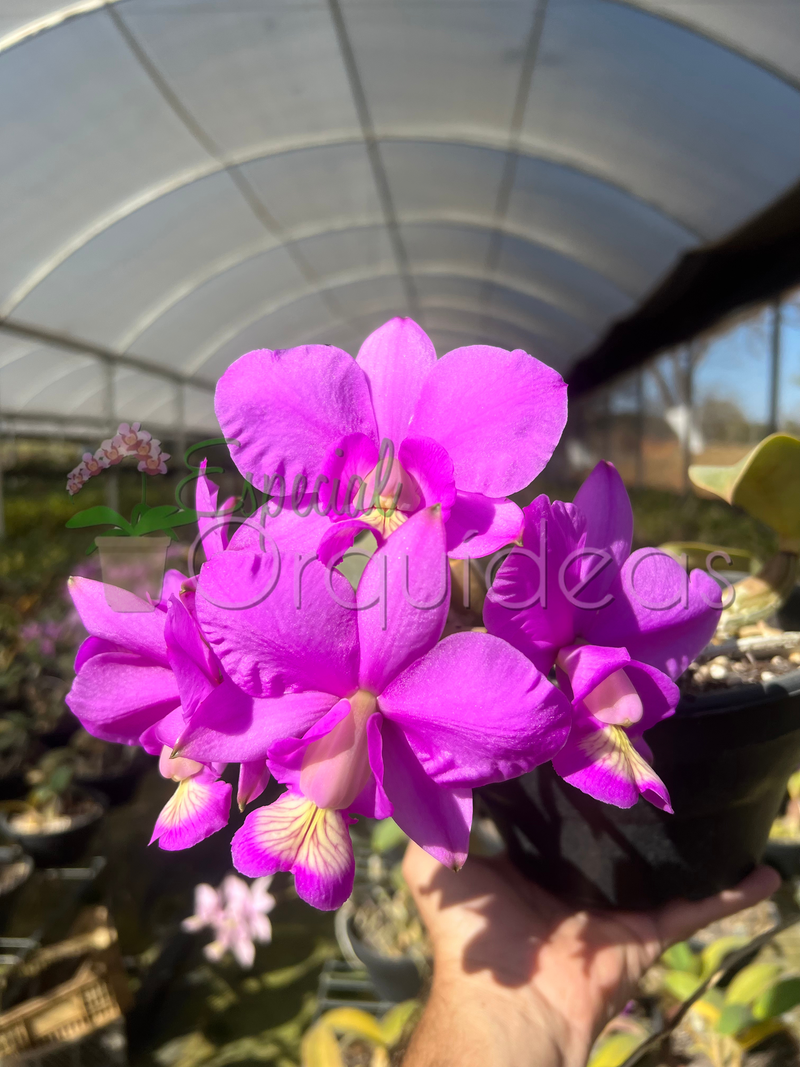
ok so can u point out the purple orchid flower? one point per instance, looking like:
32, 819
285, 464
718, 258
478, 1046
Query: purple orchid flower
237, 913
140, 678
463, 432
358, 709
618, 627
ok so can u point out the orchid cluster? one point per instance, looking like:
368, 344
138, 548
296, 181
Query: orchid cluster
346, 693
237, 914
129, 440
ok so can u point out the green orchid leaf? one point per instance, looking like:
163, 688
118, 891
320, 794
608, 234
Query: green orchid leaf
681, 984
387, 835
751, 982
680, 957
715, 953
734, 1017
615, 1050
766, 483
396, 1019
154, 518
780, 998
99, 516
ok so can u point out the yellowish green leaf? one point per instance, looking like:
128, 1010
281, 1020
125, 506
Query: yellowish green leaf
354, 1021
751, 982
755, 1034
680, 957
765, 483
715, 953
614, 1050
319, 1048
780, 998
396, 1020
734, 1017
681, 984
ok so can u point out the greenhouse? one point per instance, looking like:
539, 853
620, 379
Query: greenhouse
400, 533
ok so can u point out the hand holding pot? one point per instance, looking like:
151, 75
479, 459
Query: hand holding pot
519, 978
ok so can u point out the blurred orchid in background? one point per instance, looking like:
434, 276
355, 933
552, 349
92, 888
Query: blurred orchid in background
128, 441
237, 913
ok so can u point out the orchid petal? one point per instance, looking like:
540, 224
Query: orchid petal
396, 359
526, 608
279, 529
475, 711
602, 761
432, 469
295, 637
346, 468
209, 524
93, 646
658, 693
339, 538
587, 666
140, 630
198, 808
403, 599
293, 834
372, 801
658, 614
282, 409
604, 501
479, 526
117, 695
193, 664
285, 757
437, 817
253, 780
499, 415
231, 725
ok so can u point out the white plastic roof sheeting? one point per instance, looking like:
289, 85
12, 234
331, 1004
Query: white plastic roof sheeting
183, 180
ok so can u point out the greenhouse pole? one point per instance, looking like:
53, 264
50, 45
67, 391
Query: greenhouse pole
639, 475
775, 367
112, 482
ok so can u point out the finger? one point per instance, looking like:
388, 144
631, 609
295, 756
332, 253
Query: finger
418, 867
681, 918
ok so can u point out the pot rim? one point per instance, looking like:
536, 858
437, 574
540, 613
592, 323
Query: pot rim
128, 544
29, 866
740, 696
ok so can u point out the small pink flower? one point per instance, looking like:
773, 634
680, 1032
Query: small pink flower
114, 450
95, 463
237, 913
154, 464
132, 435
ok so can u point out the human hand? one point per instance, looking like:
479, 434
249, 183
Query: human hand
521, 979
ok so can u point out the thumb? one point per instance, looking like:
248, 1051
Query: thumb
681, 918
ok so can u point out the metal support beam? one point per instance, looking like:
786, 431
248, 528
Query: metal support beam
106, 355
775, 368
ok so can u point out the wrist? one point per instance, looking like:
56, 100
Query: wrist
516, 1023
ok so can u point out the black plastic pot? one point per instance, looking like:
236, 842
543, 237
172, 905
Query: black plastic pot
725, 758
118, 787
395, 978
63, 847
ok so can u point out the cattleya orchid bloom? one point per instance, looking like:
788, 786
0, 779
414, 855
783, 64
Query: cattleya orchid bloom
357, 709
346, 446
237, 913
619, 629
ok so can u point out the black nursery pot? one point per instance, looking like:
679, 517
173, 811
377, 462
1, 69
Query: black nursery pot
63, 847
725, 758
395, 978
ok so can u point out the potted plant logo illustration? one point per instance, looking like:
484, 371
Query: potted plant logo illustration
132, 555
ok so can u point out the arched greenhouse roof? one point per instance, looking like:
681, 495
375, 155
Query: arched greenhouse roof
184, 180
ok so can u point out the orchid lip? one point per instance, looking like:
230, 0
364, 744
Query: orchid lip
336, 767
399, 498
615, 701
